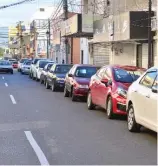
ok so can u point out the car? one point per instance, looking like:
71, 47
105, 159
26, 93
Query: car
55, 78
39, 67
15, 64
25, 68
20, 63
45, 72
108, 88
33, 67
77, 81
6, 66
142, 102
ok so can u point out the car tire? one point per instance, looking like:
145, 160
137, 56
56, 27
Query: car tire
47, 85
11, 72
73, 97
109, 108
133, 126
53, 87
41, 81
30, 75
66, 92
90, 104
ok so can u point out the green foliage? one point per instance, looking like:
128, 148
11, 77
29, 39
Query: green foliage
1, 52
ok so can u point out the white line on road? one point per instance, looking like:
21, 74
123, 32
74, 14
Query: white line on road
3, 78
42, 158
6, 84
12, 99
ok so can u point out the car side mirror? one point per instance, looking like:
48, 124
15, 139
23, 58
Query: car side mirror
105, 81
70, 75
154, 89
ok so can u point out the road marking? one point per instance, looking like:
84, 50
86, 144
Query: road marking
12, 99
42, 158
3, 78
6, 84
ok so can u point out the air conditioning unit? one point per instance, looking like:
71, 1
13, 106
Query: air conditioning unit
154, 26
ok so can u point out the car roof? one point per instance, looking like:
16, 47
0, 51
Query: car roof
86, 65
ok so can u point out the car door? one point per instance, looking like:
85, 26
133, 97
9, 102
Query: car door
51, 74
105, 88
141, 96
151, 106
97, 86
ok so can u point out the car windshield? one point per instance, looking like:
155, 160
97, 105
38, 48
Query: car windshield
5, 63
28, 63
49, 66
43, 63
62, 68
22, 60
85, 72
126, 76
35, 61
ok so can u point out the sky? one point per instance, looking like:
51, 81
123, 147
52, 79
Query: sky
11, 15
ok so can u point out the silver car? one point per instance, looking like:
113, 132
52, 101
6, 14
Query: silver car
25, 68
6, 66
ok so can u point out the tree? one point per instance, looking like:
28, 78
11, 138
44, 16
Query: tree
1, 52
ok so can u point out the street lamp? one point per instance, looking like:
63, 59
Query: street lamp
47, 34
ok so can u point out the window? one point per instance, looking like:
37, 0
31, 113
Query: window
148, 79
53, 68
62, 69
155, 85
85, 71
100, 72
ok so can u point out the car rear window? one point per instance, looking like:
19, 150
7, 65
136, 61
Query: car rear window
62, 68
5, 63
22, 60
43, 63
85, 71
15, 62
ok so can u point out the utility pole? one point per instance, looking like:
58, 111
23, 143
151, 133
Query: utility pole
49, 38
150, 57
65, 9
20, 35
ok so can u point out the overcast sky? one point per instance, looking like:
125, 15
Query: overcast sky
11, 15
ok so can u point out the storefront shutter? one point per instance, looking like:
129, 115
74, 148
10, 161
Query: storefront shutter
101, 54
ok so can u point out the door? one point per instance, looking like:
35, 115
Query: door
82, 56
51, 74
139, 56
151, 107
142, 95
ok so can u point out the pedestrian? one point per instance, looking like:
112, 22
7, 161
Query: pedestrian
63, 61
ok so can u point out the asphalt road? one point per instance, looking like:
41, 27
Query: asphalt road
38, 126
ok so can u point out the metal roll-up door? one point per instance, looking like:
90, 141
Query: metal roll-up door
101, 54
145, 55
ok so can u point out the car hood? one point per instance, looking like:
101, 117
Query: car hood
82, 81
5, 66
60, 75
124, 85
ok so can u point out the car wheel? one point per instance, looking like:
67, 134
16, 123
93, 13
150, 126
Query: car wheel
109, 108
47, 85
53, 87
133, 126
22, 72
73, 97
41, 81
30, 75
90, 104
66, 92
11, 72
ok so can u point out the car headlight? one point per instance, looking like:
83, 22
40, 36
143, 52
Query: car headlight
60, 79
122, 92
83, 86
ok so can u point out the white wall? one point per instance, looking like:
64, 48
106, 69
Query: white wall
84, 47
127, 57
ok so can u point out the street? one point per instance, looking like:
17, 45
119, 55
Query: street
38, 126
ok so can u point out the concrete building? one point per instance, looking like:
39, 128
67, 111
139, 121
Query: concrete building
120, 37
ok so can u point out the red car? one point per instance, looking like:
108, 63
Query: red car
77, 81
108, 88
15, 64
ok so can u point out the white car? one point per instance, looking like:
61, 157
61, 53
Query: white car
25, 68
39, 67
142, 102
20, 63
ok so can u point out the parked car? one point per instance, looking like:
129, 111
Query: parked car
77, 81
6, 66
56, 76
20, 63
108, 88
25, 68
45, 72
33, 67
142, 102
39, 67
15, 64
